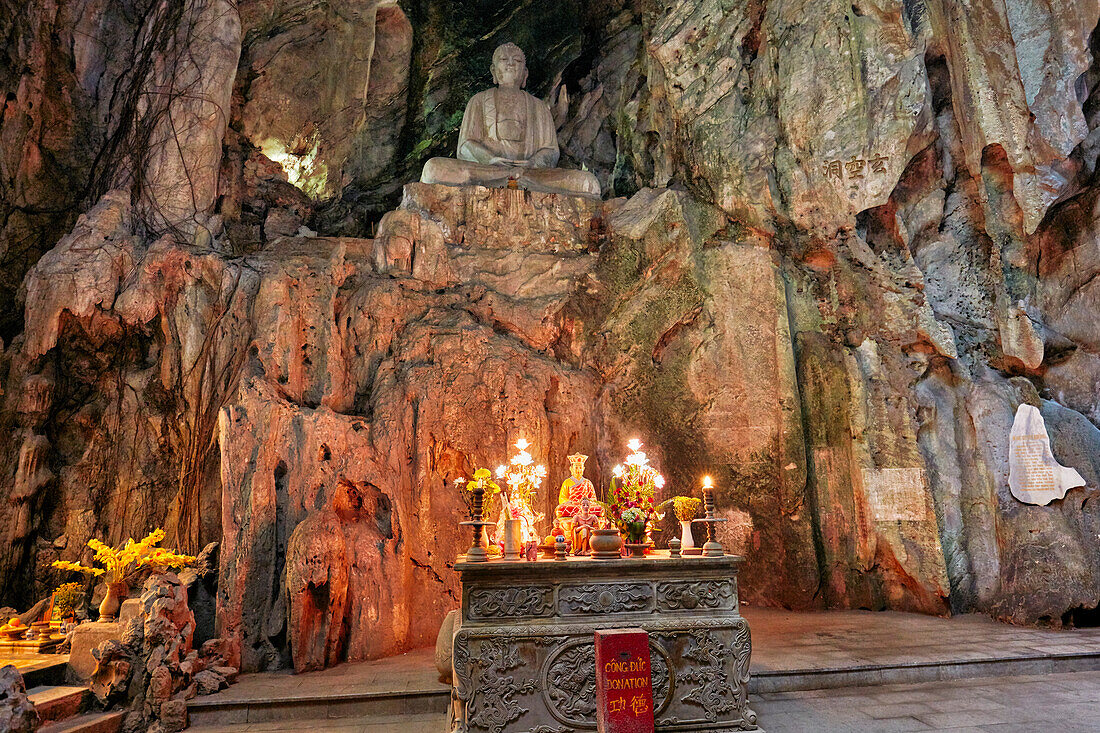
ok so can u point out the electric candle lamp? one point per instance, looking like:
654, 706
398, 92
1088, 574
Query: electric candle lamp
631, 503
713, 548
524, 478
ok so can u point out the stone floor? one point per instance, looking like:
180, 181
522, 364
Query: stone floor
790, 640
788, 647
408, 673
1059, 703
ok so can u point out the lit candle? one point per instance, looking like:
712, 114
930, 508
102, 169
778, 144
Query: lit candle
707, 483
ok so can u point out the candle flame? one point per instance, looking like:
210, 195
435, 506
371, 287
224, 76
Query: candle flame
634, 444
522, 444
707, 483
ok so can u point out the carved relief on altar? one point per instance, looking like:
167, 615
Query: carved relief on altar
492, 668
522, 602
699, 671
605, 598
705, 677
688, 595
569, 682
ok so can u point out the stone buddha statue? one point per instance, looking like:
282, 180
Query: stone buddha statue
508, 138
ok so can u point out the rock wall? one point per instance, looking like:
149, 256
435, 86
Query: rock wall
842, 244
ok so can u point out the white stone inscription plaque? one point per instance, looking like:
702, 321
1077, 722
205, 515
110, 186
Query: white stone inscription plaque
896, 494
1034, 476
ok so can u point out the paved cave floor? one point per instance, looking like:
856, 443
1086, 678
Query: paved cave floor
1030, 694
1056, 703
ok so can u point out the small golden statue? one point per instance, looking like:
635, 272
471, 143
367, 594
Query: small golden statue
576, 488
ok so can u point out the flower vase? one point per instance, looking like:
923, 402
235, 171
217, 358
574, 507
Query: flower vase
687, 542
513, 545
635, 539
112, 602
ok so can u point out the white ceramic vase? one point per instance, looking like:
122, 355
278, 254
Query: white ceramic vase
686, 540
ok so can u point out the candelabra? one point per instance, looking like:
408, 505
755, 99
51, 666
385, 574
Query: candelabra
477, 552
712, 548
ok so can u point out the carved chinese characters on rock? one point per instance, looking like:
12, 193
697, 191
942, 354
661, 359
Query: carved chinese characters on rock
897, 494
1034, 476
854, 169
624, 682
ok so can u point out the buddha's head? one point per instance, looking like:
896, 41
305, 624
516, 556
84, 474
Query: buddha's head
576, 465
509, 66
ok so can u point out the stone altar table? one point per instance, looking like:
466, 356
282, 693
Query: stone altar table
524, 656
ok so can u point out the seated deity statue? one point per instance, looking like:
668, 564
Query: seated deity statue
575, 489
508, 138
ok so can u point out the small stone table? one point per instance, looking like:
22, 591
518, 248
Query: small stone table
524, 657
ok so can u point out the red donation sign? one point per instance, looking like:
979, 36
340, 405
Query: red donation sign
624, 682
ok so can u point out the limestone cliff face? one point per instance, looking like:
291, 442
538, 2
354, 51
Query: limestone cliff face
842, 243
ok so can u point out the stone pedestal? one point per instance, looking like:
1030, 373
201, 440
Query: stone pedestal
87, 637
90, 635
131, 609
524, 656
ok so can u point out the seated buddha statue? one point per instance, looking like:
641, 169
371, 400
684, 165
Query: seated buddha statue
508, 138
575, 489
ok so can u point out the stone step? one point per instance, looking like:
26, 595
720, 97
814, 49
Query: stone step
856, 675
88, 723
209, 711
413, 723
58, 702
44, 669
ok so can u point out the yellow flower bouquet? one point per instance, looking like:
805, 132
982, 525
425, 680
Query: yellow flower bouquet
119, 563
685, 507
